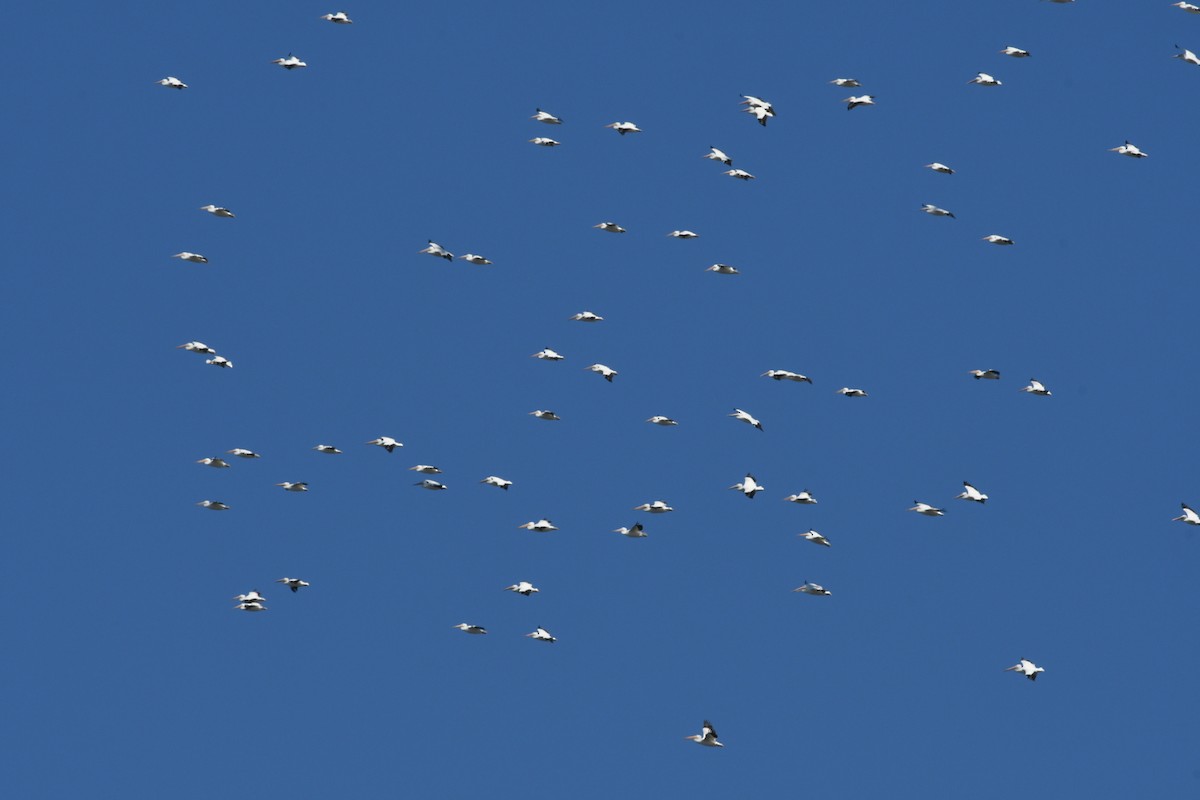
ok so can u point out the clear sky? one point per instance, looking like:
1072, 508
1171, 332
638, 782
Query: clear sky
129, 673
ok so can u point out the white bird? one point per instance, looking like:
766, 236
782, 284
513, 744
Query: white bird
986, 374
213, 462
804, 498
386, 442
751, 101
540, 414
1015, 52
740, 174
427, 469
472, 258
848, 392
1189, 516
861, 100
172, 83
938, 166
723, 269
748, 486
435, 249
587, 316
251, 596
242, 452
814, 589
1036, 387
466, 628
927, 510
250, 607
815, 538
523, 588
338, 18
610, 227
196, 347
547, 355
289, 63
541, 526
706, 737
657, 507
431, 484
195, 258
545, 141
969, 492
983, 79
217, 211
298, 486
1187, 56
1026, 668
848, 83
295, 584
1130, 150
542, 635
995, 238
761, 113
600, 369
683, 234
219, 361
718, 155
1188, 7
659, 419
636, 531
928, 208
214, 505
546, 117
495, 480
745, 417
326, 448
624, 127
786, 375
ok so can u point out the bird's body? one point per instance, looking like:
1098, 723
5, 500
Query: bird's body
745, 417
815, 589
985, 374
541, 526
1188, 7
740, 174
197, 347
431, 484
213, 462
495, 480
195, 258
1128, 149
545, 141
786, 375
927, 510
587, 316
846, 83
427, 469
1036, 387
472, 629
723, 269
295, 584
1188, 516
541, 635
683, 234
213, 505
815, 538
289, 63
475, 258
706, 737
541, 414
609, 227
338, 18
760, 109
547, 355
804, 498
634, 531
861, 100
996, 238
435, 249
969, 492
1015, 52
624, 127
983, 79
386, 442
242, 452
1026, 668
523, 588
294, 486
657, 507
933, 210
601, 369
1187, 56
846, 391
217, 211
326, 448
250, 607
219, 361
718, 155
659, 419
251, 596
546, 117
172, 82
748, 486
938, 166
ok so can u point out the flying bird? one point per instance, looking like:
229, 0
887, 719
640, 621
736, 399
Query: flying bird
1188, 516
427, 469
541, 526
326, 448
983, 79
861, 100
219, 361
217, 211
290, 63
987, 374
1015, 52
723, 269
298, 486
542, 635
683, 234
435, 249
748, 486
1026, 668
468, 628
847, 83
545, 141
587, 316
635, 531
339, 18
431, 484
935, 211
755, 102
1188, 7
213, 462
804, 498
600, 369
251, 596
172, 83
745, 417
1036, 387
937, 166
997, 239
546, 117
472, 258
1187, 56
540, 414
494, 480
927, 510
295, 584
242, 452
624, 127
815, 589
1130, 150
740, 174
848, 392
706, 737
610, 227
718, 155
523, 588
197, 347
657, 507
658, 419
547, 355
761, 113
250, 607
815, 538
786, 375
213, 505
195, 258
969, 492
386, 442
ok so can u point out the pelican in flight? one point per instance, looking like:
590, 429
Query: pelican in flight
545, 141
213, 505
172, 83
1130, 150
295, 584
683, 234
983, 79
969, 492
339, 18
251, 596
1036, 387
473, 258
861, 100
546, 117
242, 452
933, 210
987, 374
1189, 516
195, 258
785, 375
386, 442
587, 316
219, 361
1188, 7
636, 531
298, 486
1187, 56
937, 166
495, 480
547, 355
250, 607
804, 498
326, 448
468, 628
435, 249
213, 462
740, 174
657, 507
659, 419
610, 227
624, 127
542, 635
706, 737
745, 417
815, 538
431, 484
600, 369
997, 239
748, 486
723, 269
847, 83
523, 588
289, 63
1027, 668
197, 347
927, 510
815, 589
540, 414
1015, 52
755, 102
541, 526
848, 392
718, 155
427, 469
217, 211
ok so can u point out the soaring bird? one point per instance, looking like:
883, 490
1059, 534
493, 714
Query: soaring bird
745, 417
706, 737
610, 227
542, 635
938, 166
546, 117
250, 607
297, 486
600, 369
933, 210
1189, 516
468, 628
683, 234
815, 589
861, 100
251, 596
988, 374
242, 452
541, 526
289, 63
219, 361
540, 414
1130, 150
748, 486
213, 505
338, 18
995, 238
435, 249
624, 127
1015, 52
545, 141
1187, 56
848, 392
197, 347
295, 584
1036, 387
969, 492
723, 269
1188, 7
427, 469
815, 538
213, 462
1027, 668
172, 83
756, 102
786, 375
217, 211
195, 258
547, 355
761, 113
473, 258
386, 442
495, 480
659, 419
326, 448
523, 588
431, 484
804, 498
587, 316
846, 83
718, 155
983, 79
657, 507
927, 510
740, 174
635, 531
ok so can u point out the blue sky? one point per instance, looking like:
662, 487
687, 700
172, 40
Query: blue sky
131, 675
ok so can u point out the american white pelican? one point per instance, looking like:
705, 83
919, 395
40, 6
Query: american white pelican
815, 589
745, 417
250, 607
213, 462
1015, 52
1188, 7
1036, 387
295, 584
1187, 56
929, 208
473, 258
600, 369
804, 498
297, 486
540, 414
706, 737
983, 79
587, 316
547, 355
748, 486
290, 63
427, 469
848, 392
927, 510
786, 375
723, 269
997, 239
545, 141
523, 588
657, 507
1130, 150
541, 526
242, 452
251, 596
219, 361
683, 234
635, 531
386, 442
1189, 516
969, 492
846, 83
815, 538
1026, 668
542, 635
467, 628
718, 155
740, 174
987, 374
546, 117
624, 127
610, 227
937, 166
761, 113
195, 258
496, 480
431, 484
757, 102
197, 347
326, 448
861, 100
659, 419
213, 505
435, 249
338, 18
172, 83
217, 211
